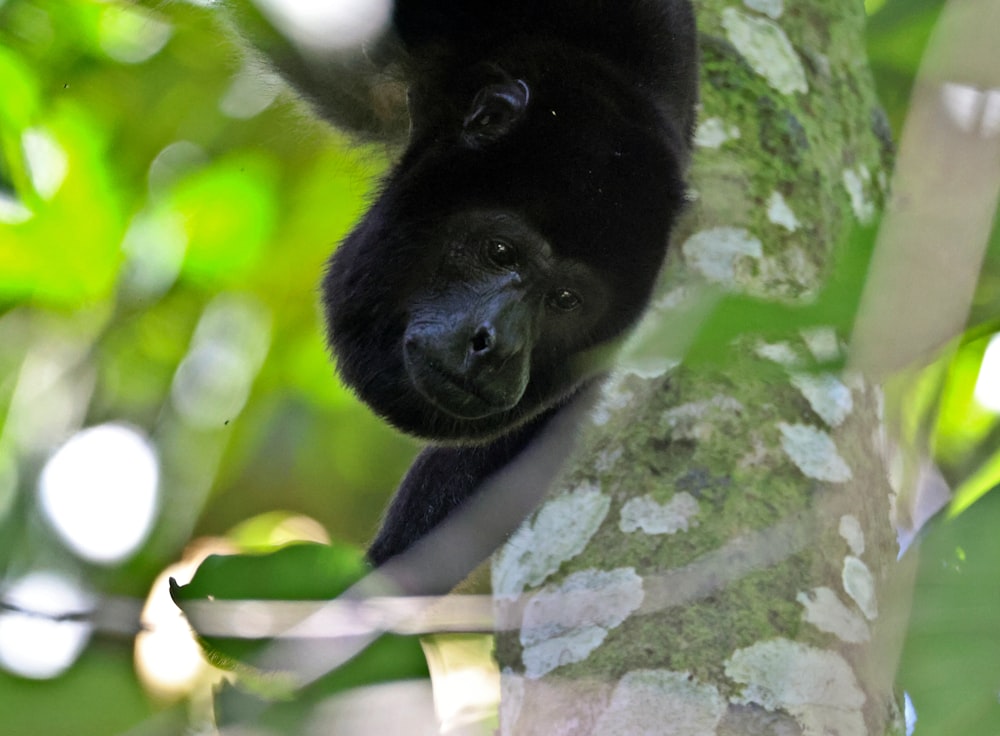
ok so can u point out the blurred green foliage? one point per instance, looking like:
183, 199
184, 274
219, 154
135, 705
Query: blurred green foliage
156, 186
151, 177
167, 202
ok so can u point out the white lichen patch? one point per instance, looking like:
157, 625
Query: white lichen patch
646, 514
815, 686
767, 49
778, 352
559, 532
648, 367
825, 611
614, 397
827, 396
859, 583
879, 394
724, 255
713, 132
787, 275
856, 182
856, 381
664, 703
780, 213
814, 453
793, 273
850, 530
882, 180
771, 8
698, 420
896, 469
564, 623
677, 298
606, 459
822, 343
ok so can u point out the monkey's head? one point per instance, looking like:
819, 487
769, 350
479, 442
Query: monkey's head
516, 241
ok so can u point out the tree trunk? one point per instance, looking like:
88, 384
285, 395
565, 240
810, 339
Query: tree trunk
719, 559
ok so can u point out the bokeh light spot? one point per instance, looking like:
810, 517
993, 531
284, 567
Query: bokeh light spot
323, 26
34, 644
132, 35
213, 381
48, 163
154, 247
168, 658
174, 162
99, 491
251, 91
987, 391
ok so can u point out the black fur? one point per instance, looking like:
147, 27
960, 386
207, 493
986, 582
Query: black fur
520, 234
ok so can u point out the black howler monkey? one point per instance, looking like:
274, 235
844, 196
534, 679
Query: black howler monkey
520, 233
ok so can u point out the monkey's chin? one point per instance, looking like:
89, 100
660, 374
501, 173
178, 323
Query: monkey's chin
458, 397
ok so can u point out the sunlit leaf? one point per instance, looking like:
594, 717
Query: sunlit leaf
18, 106
69, 251
132, 35
981, 482
274, 529
962, 422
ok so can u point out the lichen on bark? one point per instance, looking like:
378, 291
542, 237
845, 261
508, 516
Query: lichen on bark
727, 483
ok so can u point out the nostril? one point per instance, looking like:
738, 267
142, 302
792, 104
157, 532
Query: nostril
482, 340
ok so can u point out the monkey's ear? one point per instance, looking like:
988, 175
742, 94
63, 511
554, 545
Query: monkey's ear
495, 111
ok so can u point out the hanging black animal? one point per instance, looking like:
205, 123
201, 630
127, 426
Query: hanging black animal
520, 234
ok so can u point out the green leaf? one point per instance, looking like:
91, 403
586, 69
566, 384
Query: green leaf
299, 572
704, 332
977, 485
949, 664
308, 572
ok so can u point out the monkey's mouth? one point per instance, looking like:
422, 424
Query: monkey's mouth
455, 394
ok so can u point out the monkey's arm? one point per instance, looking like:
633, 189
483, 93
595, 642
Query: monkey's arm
427, 546
351, 82
439, 481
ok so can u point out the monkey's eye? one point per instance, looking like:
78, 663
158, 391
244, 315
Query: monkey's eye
501, 253
565, 300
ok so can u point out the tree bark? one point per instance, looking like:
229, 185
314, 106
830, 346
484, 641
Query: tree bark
719, 558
